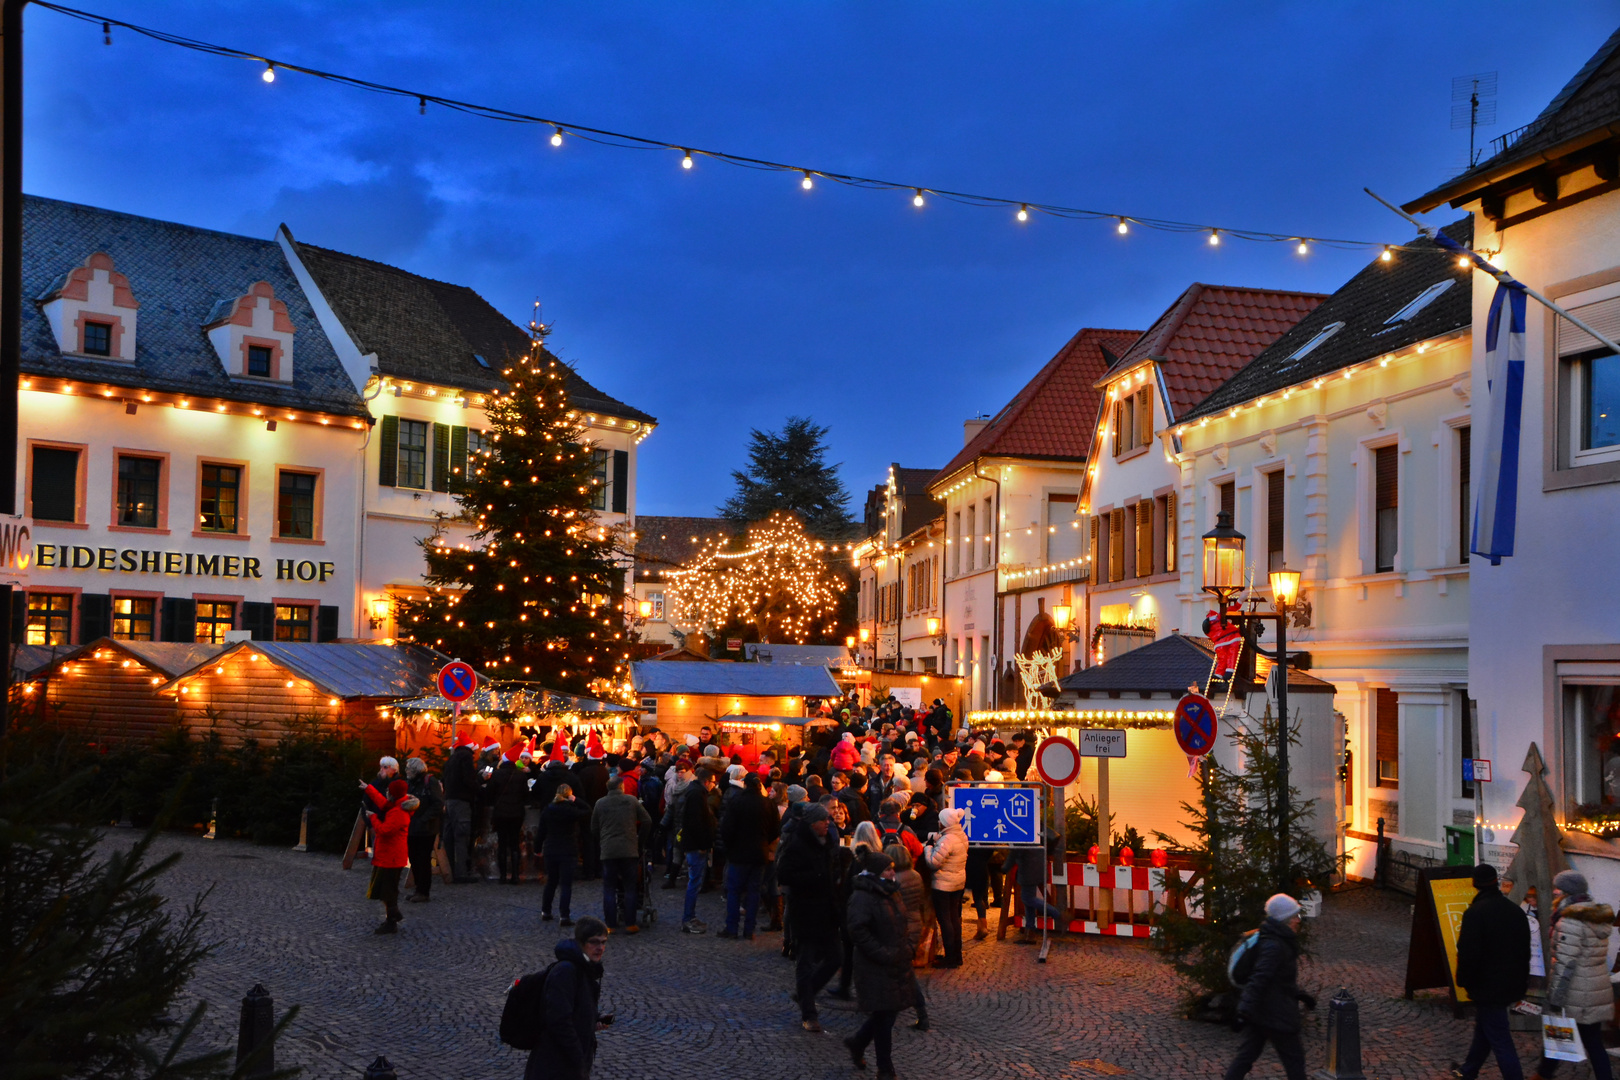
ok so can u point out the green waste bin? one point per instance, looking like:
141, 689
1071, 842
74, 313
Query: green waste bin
1459, 846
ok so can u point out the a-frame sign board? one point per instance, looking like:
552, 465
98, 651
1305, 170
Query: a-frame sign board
1443, 894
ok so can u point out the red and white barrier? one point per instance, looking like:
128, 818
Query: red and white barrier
1134, 894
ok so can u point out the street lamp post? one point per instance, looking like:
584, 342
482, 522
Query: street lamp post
1224, 576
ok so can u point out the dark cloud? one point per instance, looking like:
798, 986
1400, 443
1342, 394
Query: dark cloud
388, 218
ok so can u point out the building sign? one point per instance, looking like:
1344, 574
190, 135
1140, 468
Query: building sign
1102, 742
178, 563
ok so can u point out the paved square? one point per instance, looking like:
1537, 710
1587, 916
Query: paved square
687, 1006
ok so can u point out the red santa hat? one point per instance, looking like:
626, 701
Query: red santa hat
514, 750
559, 747
593, 747
464, 739
490, 743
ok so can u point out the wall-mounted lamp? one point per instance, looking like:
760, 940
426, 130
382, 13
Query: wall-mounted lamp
379, 612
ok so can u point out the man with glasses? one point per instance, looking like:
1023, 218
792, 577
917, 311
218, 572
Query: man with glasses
566, 1048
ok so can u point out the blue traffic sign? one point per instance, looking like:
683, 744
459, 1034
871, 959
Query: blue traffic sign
457, 681
999, 814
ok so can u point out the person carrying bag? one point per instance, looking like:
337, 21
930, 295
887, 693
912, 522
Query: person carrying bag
1578, 985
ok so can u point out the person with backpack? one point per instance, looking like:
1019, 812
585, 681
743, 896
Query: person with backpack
1268, 973
553, 1013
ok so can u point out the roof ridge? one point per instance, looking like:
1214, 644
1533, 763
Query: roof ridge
104, 211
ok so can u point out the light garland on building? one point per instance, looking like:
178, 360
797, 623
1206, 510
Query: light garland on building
1136, 720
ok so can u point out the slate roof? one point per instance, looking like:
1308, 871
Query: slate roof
740, 680
178, 274
1210, 333
824, 655
1364, 304
346, 669
1589, 103
1039, 422
1167, 666
667, 541
432, 331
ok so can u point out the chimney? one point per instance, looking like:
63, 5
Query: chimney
972, 427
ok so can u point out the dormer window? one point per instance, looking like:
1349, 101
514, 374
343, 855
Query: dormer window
92, 311
253, 335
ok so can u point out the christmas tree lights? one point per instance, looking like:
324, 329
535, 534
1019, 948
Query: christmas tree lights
778, 581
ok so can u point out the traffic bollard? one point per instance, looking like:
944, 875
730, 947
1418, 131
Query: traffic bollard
381, 1070
1344, 1039
303, 831
258, 1022
213, 822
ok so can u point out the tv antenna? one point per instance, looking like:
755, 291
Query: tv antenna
1473, 106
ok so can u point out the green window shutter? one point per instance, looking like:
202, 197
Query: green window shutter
621, 481
458, 455
95, 617
441, 457
179, 619
259, 620
388, 452
326, 623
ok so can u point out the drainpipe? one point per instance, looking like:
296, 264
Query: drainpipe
995, 586
360, 533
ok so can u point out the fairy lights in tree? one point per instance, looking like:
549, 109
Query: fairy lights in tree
776, 579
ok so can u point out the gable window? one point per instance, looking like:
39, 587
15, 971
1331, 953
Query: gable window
1465, 491
133, 617
258, 361
413, 449
98, 338
138, 479
54, 484
599, 479
214, 618
1386, 508
1063, 539
221, 489
1274, 521
295, 506
50, 618
293, 622
1133, 420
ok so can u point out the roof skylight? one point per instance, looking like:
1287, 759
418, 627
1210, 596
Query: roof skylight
1421, 301
1310, 346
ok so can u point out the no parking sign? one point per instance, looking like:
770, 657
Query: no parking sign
1195, 728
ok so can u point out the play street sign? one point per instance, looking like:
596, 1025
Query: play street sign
999, 814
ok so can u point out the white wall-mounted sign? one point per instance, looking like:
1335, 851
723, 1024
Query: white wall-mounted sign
1102, 742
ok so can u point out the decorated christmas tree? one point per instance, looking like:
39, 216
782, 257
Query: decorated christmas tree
776, 580
536, 594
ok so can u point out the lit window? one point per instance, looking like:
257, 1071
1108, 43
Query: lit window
132, 617
1591, 754
258, 361
214, 618
599, 479
295, 506
50, 618
293, 622
221, 487
98, 338
413, 451
478, 442
138, 491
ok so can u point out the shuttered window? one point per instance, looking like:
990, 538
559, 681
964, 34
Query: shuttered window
54, 489
1386, 508
1387, 738
1144, 538
1171, 526
620, 503
441, 457
1094, 550
970, 539
458, 457
387, 453
1274, 521
1128, 540
956, 537
1465, 491
1144, 416
1228, 500
1116, 544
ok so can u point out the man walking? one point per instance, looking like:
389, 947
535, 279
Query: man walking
1493, 965
616, 823
1271, 996
696, 841
746, 831
805, 866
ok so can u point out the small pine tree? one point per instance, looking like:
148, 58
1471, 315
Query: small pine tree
1235, 826
788, 471
538, 593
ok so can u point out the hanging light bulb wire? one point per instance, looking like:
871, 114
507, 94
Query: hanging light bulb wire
621, 140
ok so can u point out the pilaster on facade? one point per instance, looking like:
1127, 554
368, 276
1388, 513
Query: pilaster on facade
1316, 498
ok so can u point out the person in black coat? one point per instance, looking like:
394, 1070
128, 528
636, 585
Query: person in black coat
559, 848
509, 795
749, 825
590, 781
885, 938
1493, 966
460, 793
695, 838
805, 865
1271, 996
425, 825
566, 1049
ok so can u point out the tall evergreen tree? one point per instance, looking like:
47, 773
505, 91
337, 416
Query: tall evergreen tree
537, 594
788, 470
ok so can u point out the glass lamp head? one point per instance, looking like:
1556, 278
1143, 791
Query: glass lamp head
1223, 556
1284, 587
933, 626
1060, 615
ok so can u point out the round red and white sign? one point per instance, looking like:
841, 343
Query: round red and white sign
1057, 760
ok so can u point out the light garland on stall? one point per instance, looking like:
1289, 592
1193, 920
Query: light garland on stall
1136, 720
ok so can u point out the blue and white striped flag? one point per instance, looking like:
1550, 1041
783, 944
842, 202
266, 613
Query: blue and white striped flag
1496, 505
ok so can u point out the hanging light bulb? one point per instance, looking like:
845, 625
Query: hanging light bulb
1387, 255
807, 183
1023, 213
556, 136
1123, 228
1304, 248
686, 162
269, 74
1462, 262
1214, 237
421, 106
917, 199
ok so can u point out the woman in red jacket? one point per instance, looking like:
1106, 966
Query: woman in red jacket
392, 821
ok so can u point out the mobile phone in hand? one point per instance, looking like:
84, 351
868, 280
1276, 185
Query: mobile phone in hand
605, 1020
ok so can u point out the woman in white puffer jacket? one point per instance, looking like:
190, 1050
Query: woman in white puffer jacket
1578, 983
946, 851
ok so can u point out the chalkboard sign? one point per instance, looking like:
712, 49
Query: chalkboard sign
1443, 894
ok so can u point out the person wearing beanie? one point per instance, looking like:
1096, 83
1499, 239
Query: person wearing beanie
946, 851
805, 867
391, 855
1493, 966
1271, 997
884, 937
1578, 979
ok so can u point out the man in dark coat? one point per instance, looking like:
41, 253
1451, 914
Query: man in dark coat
566, 1048
1493, 966
460, 792
1024, 753
747, 828
1271, 996
696, 842
805, 866
590, 782
424, 828
885, 937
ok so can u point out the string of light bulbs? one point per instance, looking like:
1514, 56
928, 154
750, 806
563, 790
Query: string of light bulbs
562, 130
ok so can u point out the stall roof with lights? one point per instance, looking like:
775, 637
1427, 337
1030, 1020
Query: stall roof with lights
735, 680
340, 669
168, 658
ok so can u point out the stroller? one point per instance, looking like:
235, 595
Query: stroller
646, 908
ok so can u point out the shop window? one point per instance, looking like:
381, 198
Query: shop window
1386, 508
600, 460
133, 617
54, 484
1592, 749
295, 506
1387, 737
294, 622
138, 479
1275, 521
221, 492
258, 360
1465, 492
214, 618
1589, 381
50, 618
97, 338
413, 451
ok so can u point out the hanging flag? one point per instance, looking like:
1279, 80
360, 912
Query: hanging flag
1496, 506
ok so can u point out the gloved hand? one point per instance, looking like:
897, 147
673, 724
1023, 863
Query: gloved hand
1308, 1000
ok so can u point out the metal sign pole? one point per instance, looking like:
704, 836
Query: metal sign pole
455, 718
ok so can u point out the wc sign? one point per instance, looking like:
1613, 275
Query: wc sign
16, 549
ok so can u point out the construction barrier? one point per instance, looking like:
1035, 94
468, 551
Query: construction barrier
1112, 901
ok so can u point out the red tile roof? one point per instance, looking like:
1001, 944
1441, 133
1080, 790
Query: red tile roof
1050, 417
1211, 332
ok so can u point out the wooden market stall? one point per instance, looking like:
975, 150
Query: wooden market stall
267, 689
874, 687
110, 690
684, 698
508, 711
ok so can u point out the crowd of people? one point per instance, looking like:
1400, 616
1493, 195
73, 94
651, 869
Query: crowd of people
846, 845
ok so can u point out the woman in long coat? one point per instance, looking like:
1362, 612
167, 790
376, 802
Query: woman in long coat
1579, 980
885, 937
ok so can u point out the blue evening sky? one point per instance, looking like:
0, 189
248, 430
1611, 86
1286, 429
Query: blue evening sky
721, 298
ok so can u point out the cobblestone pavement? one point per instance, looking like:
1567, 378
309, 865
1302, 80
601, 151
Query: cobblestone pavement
430, 997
